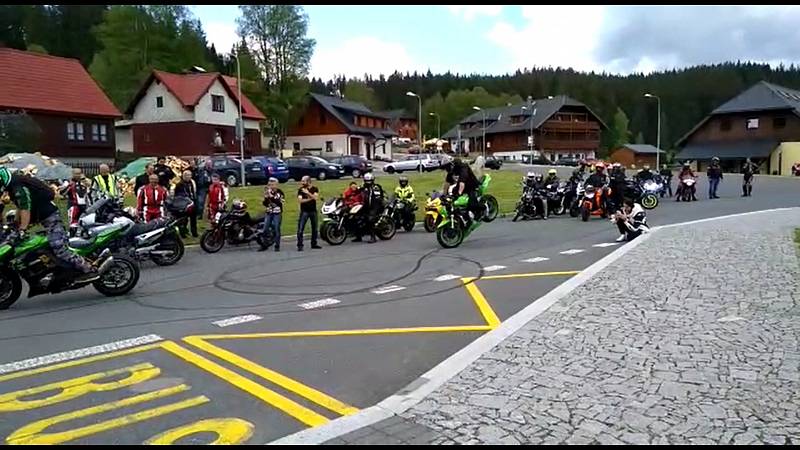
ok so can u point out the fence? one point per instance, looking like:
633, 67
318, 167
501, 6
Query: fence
90, 169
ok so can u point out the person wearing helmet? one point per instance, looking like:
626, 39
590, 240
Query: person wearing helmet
34, 201
747, 183
373, 196
714, 174
645, 174
598, 177
686, 172
618, 183
530, 179
460, 176
666, 175
540, 198
404, 191
552, 178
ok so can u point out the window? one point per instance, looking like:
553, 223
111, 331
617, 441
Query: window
296, 146
752, 123
328, 146
725, 125
159, 102
74, 131
218, 103
71, 131
95, 132
79, 131
779, 122
99, 132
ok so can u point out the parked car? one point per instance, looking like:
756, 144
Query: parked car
568, 161
492, 162
354, 165
229, 169
412, 163
313, 166
439, 158
539, 160
274, 167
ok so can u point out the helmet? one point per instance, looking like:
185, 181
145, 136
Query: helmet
599, 167
239, 205
539, 177
369, 178
616, 165
5, 178
530, 175
715, 159
403, 181
552, 172
686, 165
647, 167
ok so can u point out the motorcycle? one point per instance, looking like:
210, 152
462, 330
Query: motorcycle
573, 193
32, 260
455, 223
235, 227
686, 187
432, 217
341, 221
158, 240
526, 206
592, 203
402, 213
557, 198
647, 192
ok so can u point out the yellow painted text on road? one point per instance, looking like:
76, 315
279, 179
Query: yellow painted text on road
229, 431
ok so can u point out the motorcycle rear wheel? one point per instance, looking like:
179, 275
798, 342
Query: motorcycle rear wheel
430, 223
212, 240
450, 236
408, 225
10, 287
332, 234
584, 214
492, 210
385, 229
171, 243
122, 266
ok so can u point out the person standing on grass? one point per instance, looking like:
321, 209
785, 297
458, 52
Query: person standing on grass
307, 196
273, 201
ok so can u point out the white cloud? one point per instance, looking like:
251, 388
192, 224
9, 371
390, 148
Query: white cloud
555, 36
221, 34
361, 55
470, 12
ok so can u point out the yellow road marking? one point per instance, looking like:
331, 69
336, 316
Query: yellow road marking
32, 433
78, 362
286, 405
286, 334
480, 301
275, 377
522, 275
229, 431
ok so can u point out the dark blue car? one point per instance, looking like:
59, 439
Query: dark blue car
274, 167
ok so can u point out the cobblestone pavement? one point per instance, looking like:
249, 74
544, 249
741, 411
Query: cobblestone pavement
690, 338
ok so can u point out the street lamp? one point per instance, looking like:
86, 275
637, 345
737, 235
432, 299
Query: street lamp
419, 124
658, 131
240, 123
483, 149
438, 128
532, 110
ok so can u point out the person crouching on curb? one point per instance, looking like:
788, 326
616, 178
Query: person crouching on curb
631, 221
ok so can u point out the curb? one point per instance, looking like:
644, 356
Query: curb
417, 390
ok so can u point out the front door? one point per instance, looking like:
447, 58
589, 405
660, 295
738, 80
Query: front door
368, 150
355, 146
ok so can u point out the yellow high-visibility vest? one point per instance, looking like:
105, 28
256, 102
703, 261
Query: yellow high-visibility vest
111, 189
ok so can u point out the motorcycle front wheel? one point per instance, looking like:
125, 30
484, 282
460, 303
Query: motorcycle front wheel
332, 234
10, 287
492, 208
385, 229
574, 210
584, 214
212, 240
173, 245
120, 278
560, 209
450, 236
430, 223
649, 201
408, 225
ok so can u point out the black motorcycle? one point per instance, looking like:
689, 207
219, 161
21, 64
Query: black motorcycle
236, 227
340, 221
573, 192
556, 195
527, 206
402, 213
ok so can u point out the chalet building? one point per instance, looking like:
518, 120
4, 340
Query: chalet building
74, 116
637, 156
188, 114
562, 127
334, 126
762, 123
403, 123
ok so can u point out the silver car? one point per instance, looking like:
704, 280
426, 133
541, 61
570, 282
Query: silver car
412, 163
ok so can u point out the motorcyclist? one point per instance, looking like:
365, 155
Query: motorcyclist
352, 195
373, 195
34, 200
540, 195
460, 172
645, 174
78, 199
552, 178
666, 175
405, 193
599, 180
150, 200
686, 172
631, 221
748, 170
618, 183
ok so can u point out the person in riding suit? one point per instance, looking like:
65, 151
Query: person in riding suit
187, 188
373, 195
34, 200
714, 174
217, 197
552, 179
686, 172
352, 195
540, 194
645, 174
599, 180
150, 200
748, 170
631, 221
666, 174
618, 184
460, 172
405, 193
78, 199
105, 184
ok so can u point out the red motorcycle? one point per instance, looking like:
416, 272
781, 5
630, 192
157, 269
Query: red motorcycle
593, 203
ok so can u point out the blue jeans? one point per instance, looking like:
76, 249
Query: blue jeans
306, 216
713, 183
201, 200
274, 221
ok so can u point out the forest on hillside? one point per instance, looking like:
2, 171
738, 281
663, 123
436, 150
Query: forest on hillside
120, 45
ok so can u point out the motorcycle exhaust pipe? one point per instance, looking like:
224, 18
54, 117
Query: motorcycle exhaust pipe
106, 264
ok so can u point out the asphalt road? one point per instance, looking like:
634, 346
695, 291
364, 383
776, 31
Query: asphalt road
313, 335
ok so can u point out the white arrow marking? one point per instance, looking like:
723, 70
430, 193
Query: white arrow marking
319, 303
447, 277
237, 320
535, 260
572, 252
387, 289
493, 268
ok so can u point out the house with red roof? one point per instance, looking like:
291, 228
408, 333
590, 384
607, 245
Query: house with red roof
188, 114
74, 115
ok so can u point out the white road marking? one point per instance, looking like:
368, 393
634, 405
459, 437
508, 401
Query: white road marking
606, 244
319, 303
730, 319
572, 252
447, 277
237, 320
493, 268
387, 289
79, 353
535, 259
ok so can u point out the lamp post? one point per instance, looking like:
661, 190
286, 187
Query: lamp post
419, 124
658, 130
483, 147
240, 123
532, 110
438, 128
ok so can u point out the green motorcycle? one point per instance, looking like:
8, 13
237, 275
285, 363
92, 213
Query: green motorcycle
455, 224
33, 261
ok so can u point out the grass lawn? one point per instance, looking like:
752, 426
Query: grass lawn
505, 186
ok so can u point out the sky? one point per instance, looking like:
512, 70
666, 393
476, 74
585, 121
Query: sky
497, 39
